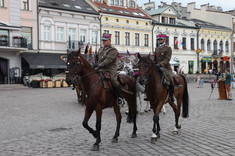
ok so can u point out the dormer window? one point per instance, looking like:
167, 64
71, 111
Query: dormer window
25, 5
164, 20
2, 3
131, 4
172, 20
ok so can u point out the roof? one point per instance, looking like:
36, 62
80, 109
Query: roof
68, 5
204, 24
161, 11
130, 12
178, 24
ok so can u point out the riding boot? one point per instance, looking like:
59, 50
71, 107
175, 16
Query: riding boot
118, 91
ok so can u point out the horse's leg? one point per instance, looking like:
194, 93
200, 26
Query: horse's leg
118, 119
133, 113
98, 128
176, 109
164, 109
156, 131
88, 113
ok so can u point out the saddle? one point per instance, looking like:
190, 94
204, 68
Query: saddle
122, 79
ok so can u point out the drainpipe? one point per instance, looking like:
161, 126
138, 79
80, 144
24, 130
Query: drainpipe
38, 24
232, 54
153, 37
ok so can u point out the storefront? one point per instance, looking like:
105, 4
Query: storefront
206, 64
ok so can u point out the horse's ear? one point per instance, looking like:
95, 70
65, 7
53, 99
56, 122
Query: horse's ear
139, 56
64, 58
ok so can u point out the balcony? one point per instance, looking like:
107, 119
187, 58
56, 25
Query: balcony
14, 42
216, 53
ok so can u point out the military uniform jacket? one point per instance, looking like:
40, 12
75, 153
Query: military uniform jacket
107, 57
162, 56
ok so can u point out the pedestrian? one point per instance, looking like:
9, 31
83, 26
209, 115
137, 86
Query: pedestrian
106, 61
227, 82
201, 83
198, 81
212, 82
233, 83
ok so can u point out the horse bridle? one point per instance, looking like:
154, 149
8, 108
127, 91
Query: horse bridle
147, 76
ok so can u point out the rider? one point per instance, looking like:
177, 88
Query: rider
106, 59
162, 58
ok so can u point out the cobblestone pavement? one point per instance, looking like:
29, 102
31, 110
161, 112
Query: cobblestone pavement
48, 122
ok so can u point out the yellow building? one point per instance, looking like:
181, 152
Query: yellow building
130, 27
215, 45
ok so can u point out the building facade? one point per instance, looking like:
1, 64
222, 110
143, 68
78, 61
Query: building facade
62, 25
18, 33
130, 26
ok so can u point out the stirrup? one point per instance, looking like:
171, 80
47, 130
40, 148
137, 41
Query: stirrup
120, 101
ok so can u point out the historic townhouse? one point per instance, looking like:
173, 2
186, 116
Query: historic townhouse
63, 24
220, 32
18, 34
181, 37
130, 27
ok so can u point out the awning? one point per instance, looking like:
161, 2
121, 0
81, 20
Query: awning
44, 60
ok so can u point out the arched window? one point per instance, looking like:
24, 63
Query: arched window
208, 45
215, 46
221, 46
202, 44
226, 46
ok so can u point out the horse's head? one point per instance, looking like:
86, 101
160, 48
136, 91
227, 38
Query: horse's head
145, 68
74, 67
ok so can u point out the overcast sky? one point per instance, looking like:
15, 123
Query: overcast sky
225, 4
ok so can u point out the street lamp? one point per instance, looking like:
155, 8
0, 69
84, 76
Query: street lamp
198, 49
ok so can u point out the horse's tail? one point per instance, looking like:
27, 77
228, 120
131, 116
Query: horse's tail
185, 111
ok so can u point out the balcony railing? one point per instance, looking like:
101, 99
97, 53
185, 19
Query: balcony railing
17, 42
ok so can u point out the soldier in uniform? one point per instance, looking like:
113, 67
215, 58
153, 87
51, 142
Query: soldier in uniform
162, 58
106, 61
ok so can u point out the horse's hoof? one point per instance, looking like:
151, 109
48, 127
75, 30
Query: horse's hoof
114, 140
153, 140
158, 136
95, 148
164, 113
179, 126
134, 136
175, 131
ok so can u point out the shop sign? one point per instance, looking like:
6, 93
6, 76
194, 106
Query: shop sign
207, 59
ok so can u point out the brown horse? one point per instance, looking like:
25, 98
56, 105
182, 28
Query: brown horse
97, 97
158, 94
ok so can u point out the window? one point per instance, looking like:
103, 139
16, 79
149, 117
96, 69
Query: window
117, 20
25, 4
172, 20
146, 24
127, 38
202, 44
106, 19
221, 46
137, 39
83, 35
47, 33
184, 43
60, 34
117, 37
112, 2
121, 2
127, 21
72, 34
26, 32
208, 45
146, 40
192, 43
4, 37
226, 46
131, 4
106, 31
2, 3
164, 20
167, 40
94, 36
215, 46
137, 22
117, 2
176, 43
